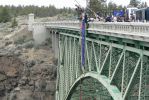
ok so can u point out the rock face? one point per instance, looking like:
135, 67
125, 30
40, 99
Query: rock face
26, 72
10, 73
27, 79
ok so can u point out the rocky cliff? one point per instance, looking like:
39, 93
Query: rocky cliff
27, 72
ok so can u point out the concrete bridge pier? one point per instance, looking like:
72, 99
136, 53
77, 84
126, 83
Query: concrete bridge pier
54, 36
30, 22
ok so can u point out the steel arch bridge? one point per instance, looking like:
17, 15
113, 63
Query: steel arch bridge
116, 64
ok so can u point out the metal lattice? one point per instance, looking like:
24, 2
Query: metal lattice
113, 70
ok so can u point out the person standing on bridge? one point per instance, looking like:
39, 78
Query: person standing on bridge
132, 18
79, 11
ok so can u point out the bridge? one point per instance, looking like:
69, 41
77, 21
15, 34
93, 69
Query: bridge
116, 59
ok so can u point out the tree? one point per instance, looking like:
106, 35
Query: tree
50, 11
97, 6
111, 7
134, 3
4, 15
143, 4
14, 23
94, 5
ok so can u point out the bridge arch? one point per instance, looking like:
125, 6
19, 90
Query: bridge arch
103, 80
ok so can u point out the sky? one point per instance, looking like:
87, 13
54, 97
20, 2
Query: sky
57, 3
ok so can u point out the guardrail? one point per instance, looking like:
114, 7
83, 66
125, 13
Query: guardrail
122, 27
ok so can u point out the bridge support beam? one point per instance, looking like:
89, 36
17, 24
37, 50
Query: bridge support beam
30, 22
54, 36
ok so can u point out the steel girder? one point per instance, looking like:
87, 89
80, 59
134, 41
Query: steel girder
123, 66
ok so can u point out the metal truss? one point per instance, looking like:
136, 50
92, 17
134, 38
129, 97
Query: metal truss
113, 70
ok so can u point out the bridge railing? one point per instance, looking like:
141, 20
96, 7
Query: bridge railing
133, 27
123, 27
74, 24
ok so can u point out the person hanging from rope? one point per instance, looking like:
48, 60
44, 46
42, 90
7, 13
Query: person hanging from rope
83, 18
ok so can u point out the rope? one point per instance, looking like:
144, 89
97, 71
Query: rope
87, 8
80, 90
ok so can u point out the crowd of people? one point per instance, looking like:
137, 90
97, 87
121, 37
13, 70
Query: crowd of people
111, 18
120, 18
108, 18
115, 18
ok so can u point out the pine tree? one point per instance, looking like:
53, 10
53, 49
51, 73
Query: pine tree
134, 3
97, 6
14, 23
4, 15
112, 6
145, 4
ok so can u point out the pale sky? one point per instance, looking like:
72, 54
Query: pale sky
57, 3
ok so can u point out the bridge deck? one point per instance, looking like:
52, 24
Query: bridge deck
134, 31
